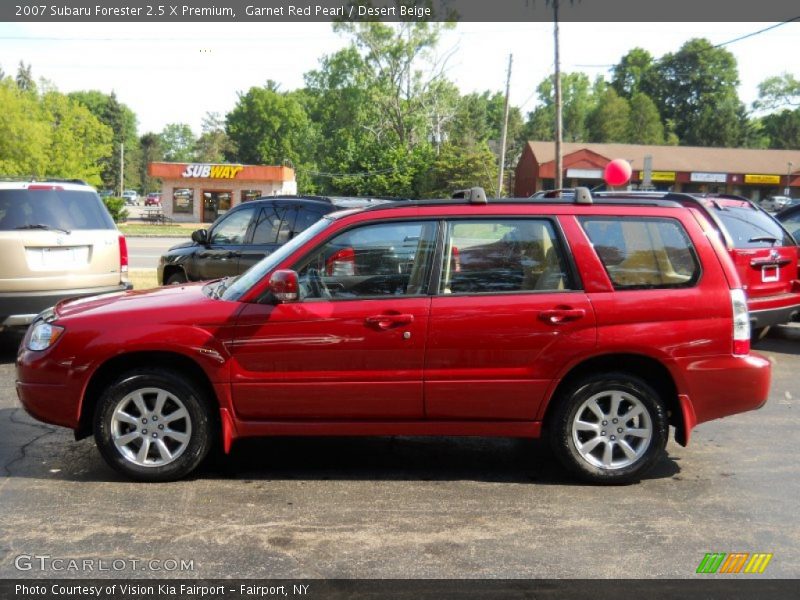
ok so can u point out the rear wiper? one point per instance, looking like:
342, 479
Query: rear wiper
43, 226
763, 238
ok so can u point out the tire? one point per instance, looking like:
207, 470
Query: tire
595, 402
158, 409
176, 278
758, 333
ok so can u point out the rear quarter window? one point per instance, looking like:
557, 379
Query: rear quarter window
59, 209
644, 253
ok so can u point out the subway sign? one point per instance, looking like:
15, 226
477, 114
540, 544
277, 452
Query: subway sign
204, 171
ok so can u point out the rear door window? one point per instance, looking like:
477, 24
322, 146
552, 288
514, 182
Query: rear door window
503, 255
52, 209
643, 253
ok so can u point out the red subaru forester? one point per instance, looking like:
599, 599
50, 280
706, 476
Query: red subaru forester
596, 323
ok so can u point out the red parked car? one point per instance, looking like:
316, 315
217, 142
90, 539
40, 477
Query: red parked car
153, 199
595, 324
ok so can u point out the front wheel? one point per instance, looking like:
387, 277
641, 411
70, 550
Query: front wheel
153, 425
609, 428
176, 278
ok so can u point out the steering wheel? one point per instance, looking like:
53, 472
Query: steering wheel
316, 285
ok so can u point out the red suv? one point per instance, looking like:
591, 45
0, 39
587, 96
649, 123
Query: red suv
597, 324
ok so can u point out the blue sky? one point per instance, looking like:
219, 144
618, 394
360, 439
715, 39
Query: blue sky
177, 72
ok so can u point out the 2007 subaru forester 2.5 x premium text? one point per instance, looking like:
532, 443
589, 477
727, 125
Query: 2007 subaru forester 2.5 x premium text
597, 324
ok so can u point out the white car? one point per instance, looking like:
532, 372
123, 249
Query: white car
131, 197
775, 203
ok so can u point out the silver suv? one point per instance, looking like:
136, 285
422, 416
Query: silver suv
57, 241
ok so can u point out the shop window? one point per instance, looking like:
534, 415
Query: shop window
183, 201
248, 195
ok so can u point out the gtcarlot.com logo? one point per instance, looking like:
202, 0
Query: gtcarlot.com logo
45, 562
734, 563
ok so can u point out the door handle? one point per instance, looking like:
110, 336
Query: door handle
388, 321
557, 316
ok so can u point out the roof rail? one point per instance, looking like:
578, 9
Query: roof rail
474, 195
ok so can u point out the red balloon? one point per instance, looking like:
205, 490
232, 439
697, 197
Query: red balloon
617, 172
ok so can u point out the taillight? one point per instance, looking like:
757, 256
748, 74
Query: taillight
40, 187
123, 255
341, 263
741, 323
456, 259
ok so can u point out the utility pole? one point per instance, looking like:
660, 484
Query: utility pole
121, 168
505, 132
559, 158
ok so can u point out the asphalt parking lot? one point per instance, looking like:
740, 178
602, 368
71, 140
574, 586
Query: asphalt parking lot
409, 507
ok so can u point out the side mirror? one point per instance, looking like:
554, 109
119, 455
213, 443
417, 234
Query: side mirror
284, 287
200, 236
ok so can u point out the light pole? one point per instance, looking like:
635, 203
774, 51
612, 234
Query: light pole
788, 191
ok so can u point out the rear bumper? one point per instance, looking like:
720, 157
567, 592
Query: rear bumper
765, 317
18, 309
720, 386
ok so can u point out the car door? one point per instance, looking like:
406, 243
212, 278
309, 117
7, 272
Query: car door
508, 314
353, 347
219, 257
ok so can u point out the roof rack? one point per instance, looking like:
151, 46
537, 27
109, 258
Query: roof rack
473, 195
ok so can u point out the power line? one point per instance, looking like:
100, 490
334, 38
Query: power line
760, 31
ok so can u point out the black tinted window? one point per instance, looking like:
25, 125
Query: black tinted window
642, 253
58, 209
269, 223
751, 228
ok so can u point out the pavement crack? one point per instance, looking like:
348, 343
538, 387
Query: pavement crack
22, 451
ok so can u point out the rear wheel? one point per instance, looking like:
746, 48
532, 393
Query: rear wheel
609, 428
153, 425
758, 333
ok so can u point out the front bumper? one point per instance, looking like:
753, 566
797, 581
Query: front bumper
18, 309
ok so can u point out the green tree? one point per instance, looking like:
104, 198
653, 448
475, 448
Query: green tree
122, 122
632, 69
213, 145
782, 129
273, 128
578, 102
781, 91
459, 167
151, 151
177, 142
78, 140
610, 119
24, 132
25, 80
696, 88
644, 126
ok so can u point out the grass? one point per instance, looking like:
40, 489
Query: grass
143, 279
155, 230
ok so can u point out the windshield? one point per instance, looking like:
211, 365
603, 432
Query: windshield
256, 273
61, 210
750, 228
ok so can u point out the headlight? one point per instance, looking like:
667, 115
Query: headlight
44, 335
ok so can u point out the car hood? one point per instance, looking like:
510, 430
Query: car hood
187, 244
144, 305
